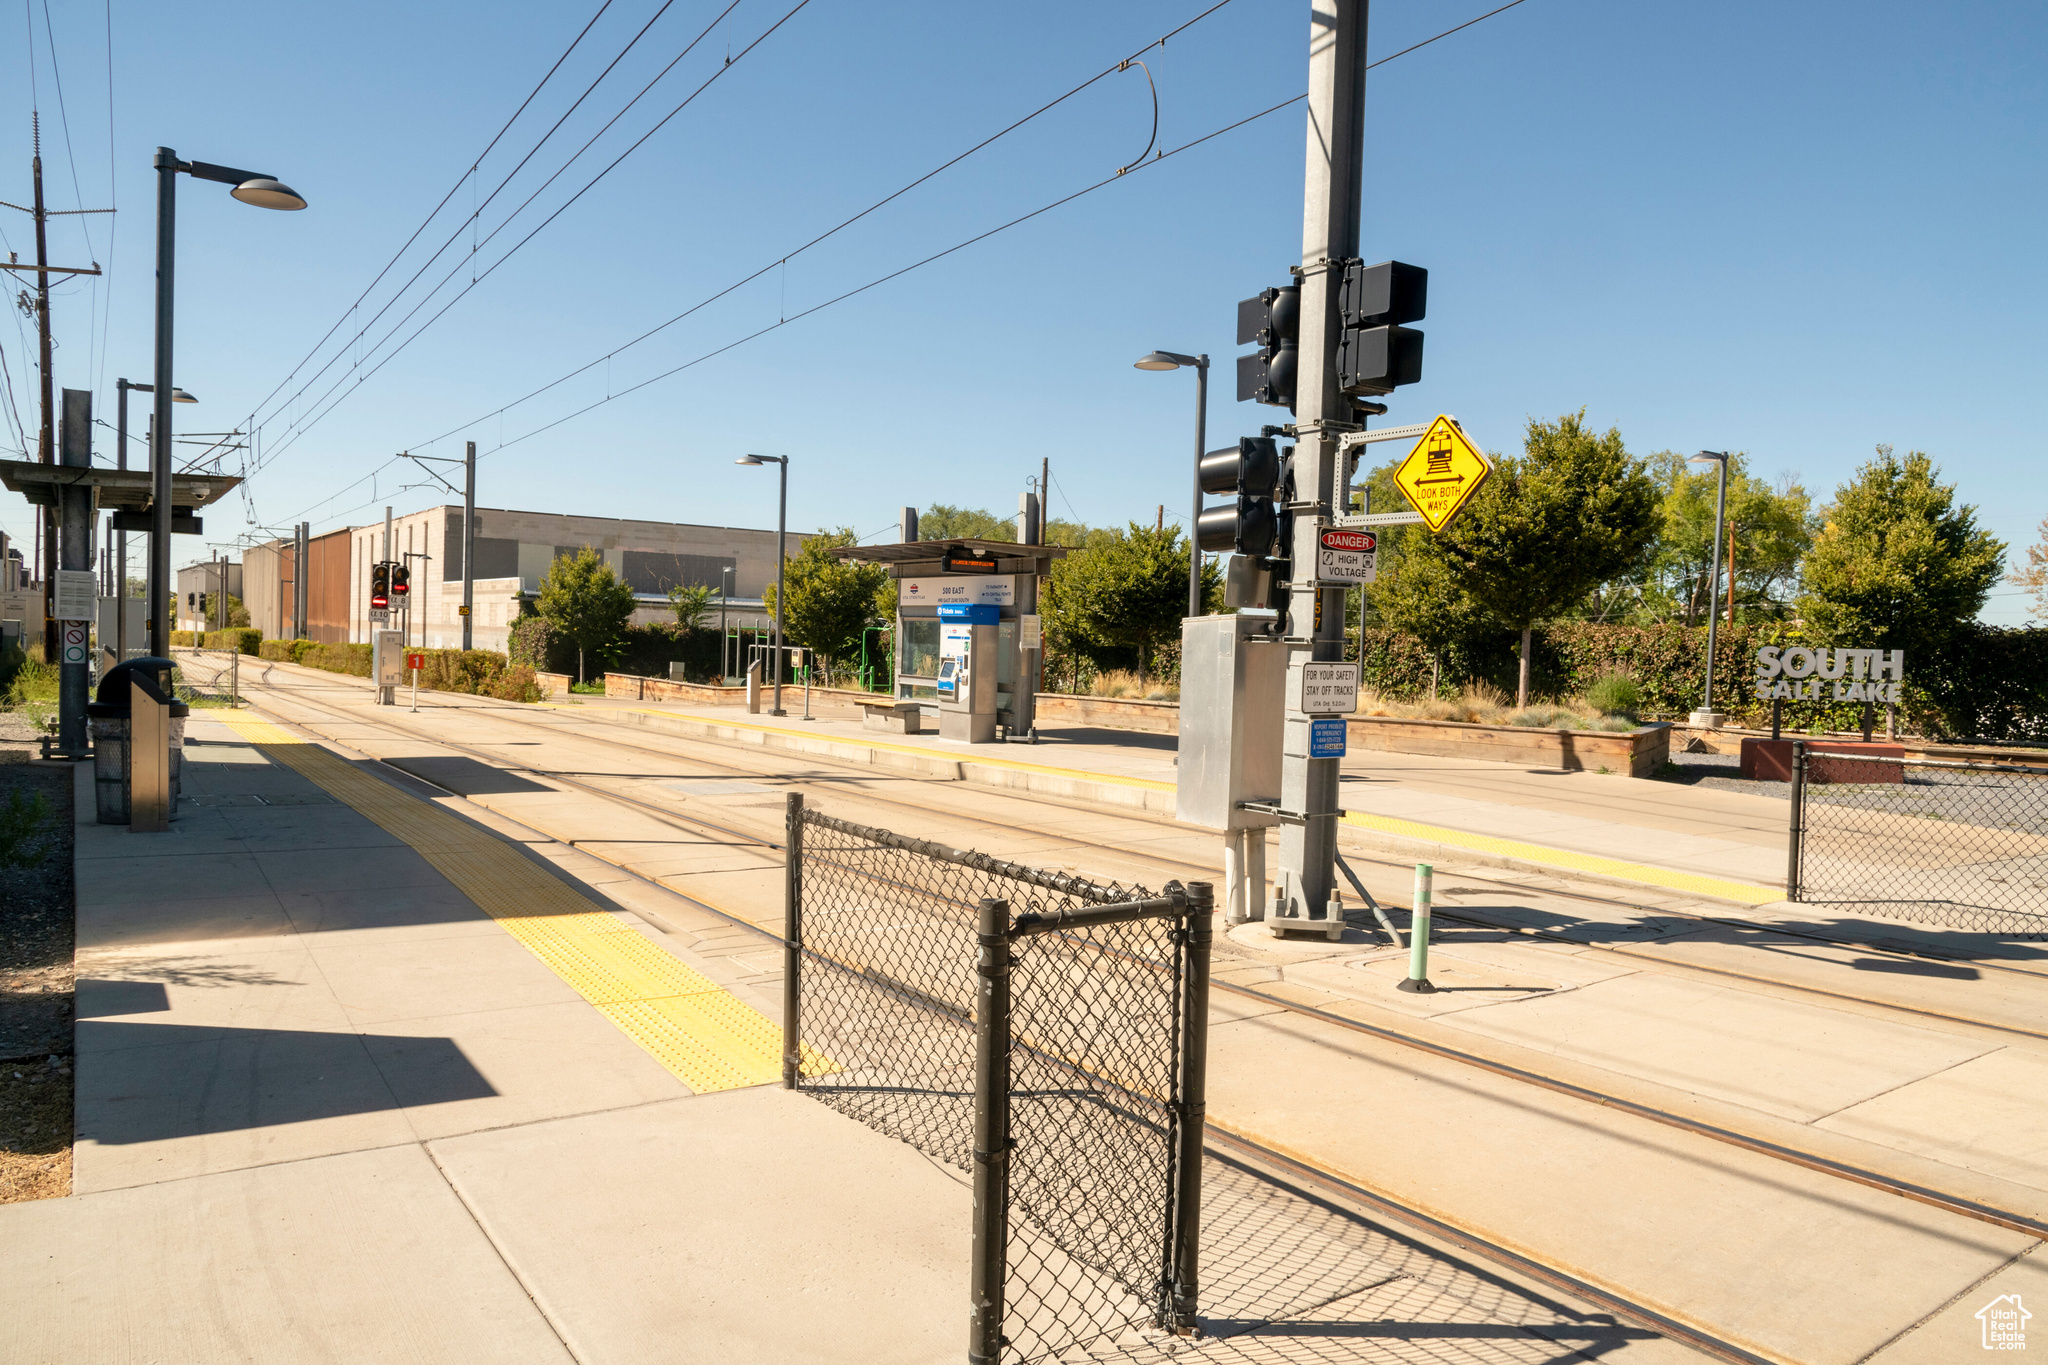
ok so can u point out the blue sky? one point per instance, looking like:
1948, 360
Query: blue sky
1796, 231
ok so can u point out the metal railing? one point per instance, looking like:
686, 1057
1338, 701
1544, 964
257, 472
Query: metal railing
1962, 845
1044, 1033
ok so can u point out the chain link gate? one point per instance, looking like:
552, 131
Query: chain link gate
1044, 1033
1962, 845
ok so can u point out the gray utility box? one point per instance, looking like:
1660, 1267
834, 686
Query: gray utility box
1233, 705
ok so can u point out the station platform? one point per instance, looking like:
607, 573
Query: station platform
1716, 845
367, 1072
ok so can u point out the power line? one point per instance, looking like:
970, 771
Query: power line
476, 280
460, 181
786, 257
883, 279
899, 273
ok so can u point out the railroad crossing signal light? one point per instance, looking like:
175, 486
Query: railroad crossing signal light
1272, 320
401, 580
380, 586
1249, 523
1375, 353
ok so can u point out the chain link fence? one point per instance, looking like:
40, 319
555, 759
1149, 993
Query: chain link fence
1961, 845
1043, 1033
207, 677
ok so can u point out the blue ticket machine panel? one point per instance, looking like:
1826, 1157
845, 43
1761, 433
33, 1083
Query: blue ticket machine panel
966, 682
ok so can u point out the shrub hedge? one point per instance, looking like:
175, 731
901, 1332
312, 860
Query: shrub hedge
644, 651
1990, 682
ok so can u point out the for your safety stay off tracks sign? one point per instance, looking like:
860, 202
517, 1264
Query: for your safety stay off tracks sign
1442, 473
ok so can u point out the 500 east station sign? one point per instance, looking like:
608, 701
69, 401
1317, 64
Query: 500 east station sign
1797, 673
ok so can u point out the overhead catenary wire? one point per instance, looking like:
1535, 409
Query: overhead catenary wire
957, 247
435, 212
842, 224
783, 260
476, 279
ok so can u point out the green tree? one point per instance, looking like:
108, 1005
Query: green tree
1769, 529
1897, 565
1573, 511
831, 601
691, 603
2034, 578
584, 599
1126, 592
943, 522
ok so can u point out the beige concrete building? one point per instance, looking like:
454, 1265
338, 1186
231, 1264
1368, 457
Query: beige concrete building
514, 550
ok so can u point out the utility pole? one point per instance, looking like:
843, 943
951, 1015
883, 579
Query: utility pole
46, 443
468, 541
1305, 889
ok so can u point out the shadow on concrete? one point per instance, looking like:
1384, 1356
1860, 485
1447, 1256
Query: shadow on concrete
1289, 1278
154, 1082
100, 999
465, 776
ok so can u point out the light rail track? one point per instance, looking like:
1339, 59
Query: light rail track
1461, 915
1934, 1198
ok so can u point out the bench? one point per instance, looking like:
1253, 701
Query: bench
896, 717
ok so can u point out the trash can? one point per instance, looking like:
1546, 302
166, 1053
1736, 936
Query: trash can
108, 717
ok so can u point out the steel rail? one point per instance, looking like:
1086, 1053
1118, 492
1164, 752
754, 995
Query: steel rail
1460, 915
1952, 1204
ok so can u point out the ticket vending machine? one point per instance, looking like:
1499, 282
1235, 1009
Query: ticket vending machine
967, 672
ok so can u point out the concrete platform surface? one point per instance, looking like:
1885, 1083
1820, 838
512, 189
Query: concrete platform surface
334, 1106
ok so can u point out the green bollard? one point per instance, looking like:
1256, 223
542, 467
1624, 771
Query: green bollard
1418, 936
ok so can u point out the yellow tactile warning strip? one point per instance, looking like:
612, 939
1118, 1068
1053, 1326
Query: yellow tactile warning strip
709, 1038
1669, 878
1742, 892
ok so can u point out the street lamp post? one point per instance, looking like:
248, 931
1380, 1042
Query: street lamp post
781, 558
250, 187
1173, 360
724, 593
1707, 715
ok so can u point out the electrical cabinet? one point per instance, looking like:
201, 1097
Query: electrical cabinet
1233, 680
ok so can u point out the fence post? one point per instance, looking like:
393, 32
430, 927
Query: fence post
1798, 830
792, 940
991, 1134
1194, 1110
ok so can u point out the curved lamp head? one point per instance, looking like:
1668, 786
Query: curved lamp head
265, 193
750, 459
180, 396
1165, 360
1709, 457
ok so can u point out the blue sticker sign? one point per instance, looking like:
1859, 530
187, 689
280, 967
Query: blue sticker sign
1326, 737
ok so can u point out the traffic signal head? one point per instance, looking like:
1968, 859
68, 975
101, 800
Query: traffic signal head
1272, 321
380, 586
1375, 352
1249, 522
401, 580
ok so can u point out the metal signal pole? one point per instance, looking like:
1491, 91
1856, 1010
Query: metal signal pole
1315, 615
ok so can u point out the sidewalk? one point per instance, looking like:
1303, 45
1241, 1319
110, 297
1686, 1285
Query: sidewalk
1724, 845
368, 1073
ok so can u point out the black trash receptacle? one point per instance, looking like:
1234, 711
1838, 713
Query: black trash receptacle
108, 718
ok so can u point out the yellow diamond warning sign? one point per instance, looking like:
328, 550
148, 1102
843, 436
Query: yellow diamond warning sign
1442, 473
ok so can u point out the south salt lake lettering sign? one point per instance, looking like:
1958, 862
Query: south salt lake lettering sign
1796, 673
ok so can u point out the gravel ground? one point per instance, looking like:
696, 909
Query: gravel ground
1718, 772
36, 927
